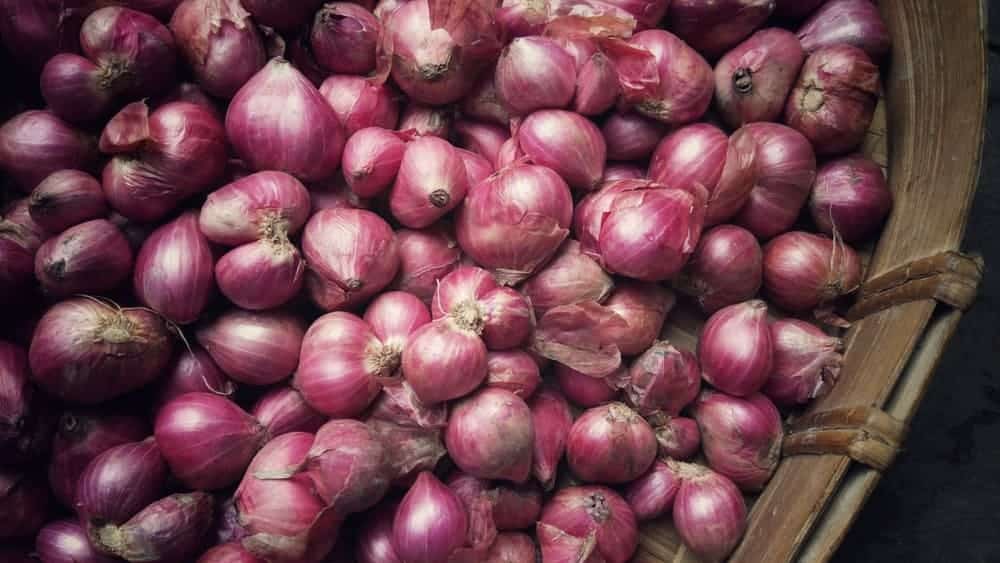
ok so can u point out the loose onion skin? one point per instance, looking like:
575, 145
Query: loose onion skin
348, 464
65, 541
66, 198
596, 514
534, 73
707, 501
714, 27
344, 38
741, 437
432, 181
490, 435
725, 269
753, 80
610, 444
92, 257
256, 348
170, 529
806, 362
426, 120
85, 351
570, 277
850, 197
803, 271
36, 143
431, 522
119, 483
851, 22
735, 348
566, 142
644, 308
652, 495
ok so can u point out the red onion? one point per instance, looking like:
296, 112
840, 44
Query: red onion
644, 308
652, 495
593, 511
445, 359
431, 522
261, 275
342, 364
725, 269
15, 393
850, 197
375, 537
35, 144
714, 27
508, 320
335, 194
161, 158
484, 139
431, 182
662, 77
92, 257
663, 379
510, 153
534, 73
785, 170
359, 102
569, 278
439, 53
630, 136
88, 351
803, 271
512, 547
586, 391
796, 9
678, 436
194, 370
65, 541
709, 512
741, 437
552, 420
567, 143
227, 553
424, 258
256, 348
414, 449
426, 120
477, 167
490, 435
610, 444
834, 100
20, 238
207, 440
220, 43
353, 252
371, 160
23, 504
77, 90
516, 507
171, 529
283, 409
344, 38
850, 22
283, 15
394, 316
349, 466
514, 371
735, 348
66, 198
753, 80
255, 207
80, 438
118, 483
35, 31
513, 222
308, 145
173, 270
583, 336
806, 362
484, 103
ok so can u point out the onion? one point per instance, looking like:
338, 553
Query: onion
227, 553
307, 146
569, 278
349, 466
375, 537
161, 158
256, 348
735, 348
283, 409
647, 13
86, 351
552, 420
414, 449
394, 316
508, 320
490, 435
518, 18
714, 27
516, 507
592, 512
484, 139
484, 103
725, 269
514, 371
583, 336
850, 22
663, 379
510, 153
118, 483
753, 80
567, 143
342, 364
344, 38
170, 529
92, 257
371, 160
834, 100
741, 437
803, 271
66, 198
477, 167
796, 9
65, 541
283, 15
15, 394
359, 102
432, 181
678, 436
850, 197
806, 362
255, 207
630, 136
534, 73
557, 546
79, 439
785, 170
335, 194
586, 391
459, 292
20, 239
194, 370
644, 308
77, 90
35, 144
513, 222
512, 547
596, 79
220, 43
173, 270
662, 77
709, 511
424, 258
35, 31
431, 522
426, 120
610, 444
261, 275
439, 54
190, 92
445, 359
353, 252
652, 495
23, 504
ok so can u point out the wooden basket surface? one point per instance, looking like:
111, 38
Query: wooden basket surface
928, 133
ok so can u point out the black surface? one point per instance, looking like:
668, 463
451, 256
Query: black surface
940, 502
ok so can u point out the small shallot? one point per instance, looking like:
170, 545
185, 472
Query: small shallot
92, 257
66, 198
652, 495
586, 391
644, 308
445, 359
735, 348
371, 160
678, 436
534, 73
348, 464
803, 271
359, 102
570, 277
713, 27
663, 379
610, 444
283, 409
344, 38
256, 348
725, 269
171, 529
850, 197
709, 511
595, 514
431, 522
425, 257
37, 143
491, 435
432, 181
513, 370
851, 22
741, 437
630, 136
567, 143
552, 420
806, 362
753, 80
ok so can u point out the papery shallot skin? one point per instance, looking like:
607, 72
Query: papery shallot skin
806, 362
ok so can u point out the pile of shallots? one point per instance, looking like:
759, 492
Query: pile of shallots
292, 282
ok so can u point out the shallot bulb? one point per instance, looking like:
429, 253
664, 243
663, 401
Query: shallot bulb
92, 257
255, 207
254, 347
425, 257
834, 100
741, 437
445, 359
170, 529
194, 370
567, 143
850, 22
348, 464
118, 483
37, 143
753, 80
735, 348
432, 181
375, 536
484, 139
709, 511
65, 541
513, 370
359, 102
490, 435
610, 444
663, 379
552, 420
534, 73
678, 436
652, 495
803, 271
596, 77
512, 547
372, 157
850, 198
500, 314
630, 136
806, 362
431, 522
20, 239
725, 269
586, 391
714, 27
283, 409
394, 316
644, 308
66, 198
283, 15
569, 278
344, 38
261, 275
601, 519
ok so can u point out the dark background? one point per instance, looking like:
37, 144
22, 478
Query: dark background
940, 502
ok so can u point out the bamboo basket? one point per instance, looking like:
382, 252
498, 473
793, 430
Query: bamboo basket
928, 134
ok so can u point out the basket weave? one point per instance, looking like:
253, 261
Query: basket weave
928, 133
